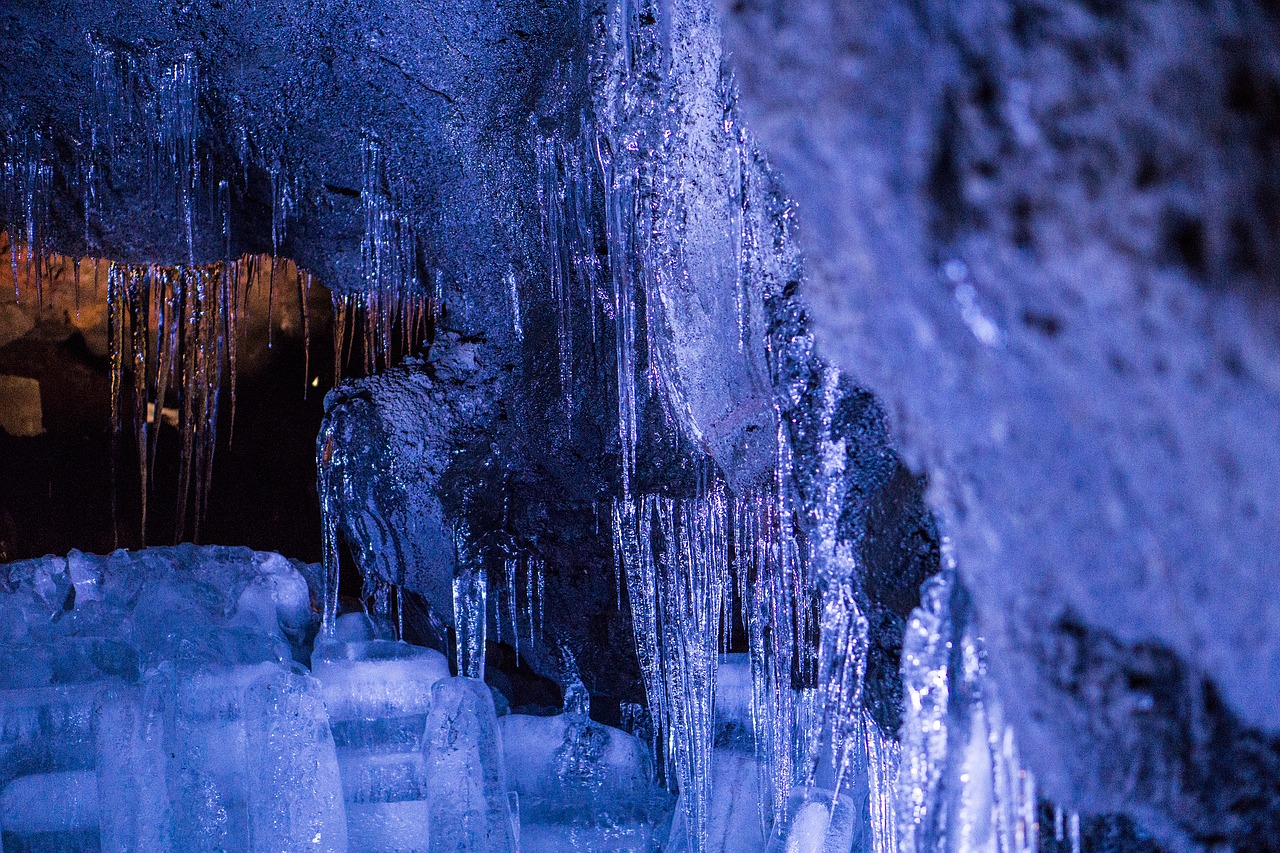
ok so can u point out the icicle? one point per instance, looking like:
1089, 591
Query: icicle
540, 585
388, 258
167, 295
882, 779
231, 313
554, 180
26, 183
923, 735
510, 571
1058, 833
676, 558
577, 700
961, 784
329, 476
842, 665
117, 308
398, 621
1075, 832
617, 201
470, 609
271, 301
341, 316
138, 302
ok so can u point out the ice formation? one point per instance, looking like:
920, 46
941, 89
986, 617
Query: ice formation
198, 677
961, 783
161, 700
175, 326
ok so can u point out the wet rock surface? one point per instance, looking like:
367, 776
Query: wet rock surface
1036, 232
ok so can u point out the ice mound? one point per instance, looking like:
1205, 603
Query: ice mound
161, 700
582, 786
84, 618
155, 700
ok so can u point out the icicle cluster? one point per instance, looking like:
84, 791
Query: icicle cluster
567, 198
145, 127
882, 754
393, 310
676, 558
961, 783
798, 601
470, 605
383, 326
775, 596
525, 580
172, 332
26, 179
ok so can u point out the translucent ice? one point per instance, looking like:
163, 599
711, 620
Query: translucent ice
162, 681
582, 786
47, 789
736, 810
65, 801
378, 694
468, 811
961, 784
817, 821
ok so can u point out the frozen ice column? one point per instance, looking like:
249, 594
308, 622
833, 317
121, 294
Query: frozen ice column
48, 790
226, 759
378, 693
466, 786
735, 811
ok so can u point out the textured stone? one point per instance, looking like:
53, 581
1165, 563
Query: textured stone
1043, 234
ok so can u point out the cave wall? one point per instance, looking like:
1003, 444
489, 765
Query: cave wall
1044, 235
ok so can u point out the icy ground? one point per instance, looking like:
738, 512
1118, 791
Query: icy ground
171, 699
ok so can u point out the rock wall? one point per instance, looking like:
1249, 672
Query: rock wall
1044, 234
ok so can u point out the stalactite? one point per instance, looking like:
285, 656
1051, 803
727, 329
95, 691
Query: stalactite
146, 126
470, 605
330, 479
961, 783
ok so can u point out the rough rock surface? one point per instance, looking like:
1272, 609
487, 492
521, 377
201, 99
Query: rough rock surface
1044, 234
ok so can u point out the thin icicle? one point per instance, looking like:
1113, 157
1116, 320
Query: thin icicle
26, 182
330, 475
470, 606
882, 755
925, 666
624, 314
513, 287
510, 571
